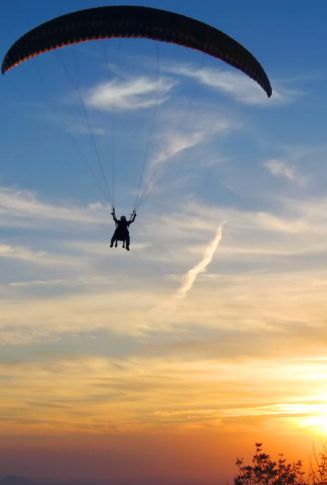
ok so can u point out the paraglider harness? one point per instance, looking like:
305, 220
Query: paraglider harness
121, 232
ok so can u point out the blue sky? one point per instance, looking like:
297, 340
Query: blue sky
223, 292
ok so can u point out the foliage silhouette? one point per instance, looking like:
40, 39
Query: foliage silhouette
318, 469
265, 471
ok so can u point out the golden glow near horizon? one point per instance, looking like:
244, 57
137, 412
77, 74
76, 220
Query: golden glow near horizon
143, 394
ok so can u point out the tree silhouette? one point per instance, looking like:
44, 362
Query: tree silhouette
265, 471
318, 469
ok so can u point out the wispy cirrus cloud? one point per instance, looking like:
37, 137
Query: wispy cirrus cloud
183, 132
280, 168
175, 143
127, 95
22, 207
234, 84
197, 131
29, 255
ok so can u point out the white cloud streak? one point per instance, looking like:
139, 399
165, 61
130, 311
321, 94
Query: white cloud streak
279, 168
176, 139
175, 143
142, 92
191, 276
234, 84
29, 255
23, 207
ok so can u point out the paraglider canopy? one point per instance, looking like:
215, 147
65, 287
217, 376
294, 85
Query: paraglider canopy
135, 21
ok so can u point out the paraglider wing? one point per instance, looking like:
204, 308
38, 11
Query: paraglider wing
132, 21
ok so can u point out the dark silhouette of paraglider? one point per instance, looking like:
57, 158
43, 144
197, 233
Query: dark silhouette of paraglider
121, 232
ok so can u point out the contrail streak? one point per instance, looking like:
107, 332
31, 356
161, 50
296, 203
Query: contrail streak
201, 266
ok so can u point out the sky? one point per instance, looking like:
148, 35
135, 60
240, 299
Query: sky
164, 364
